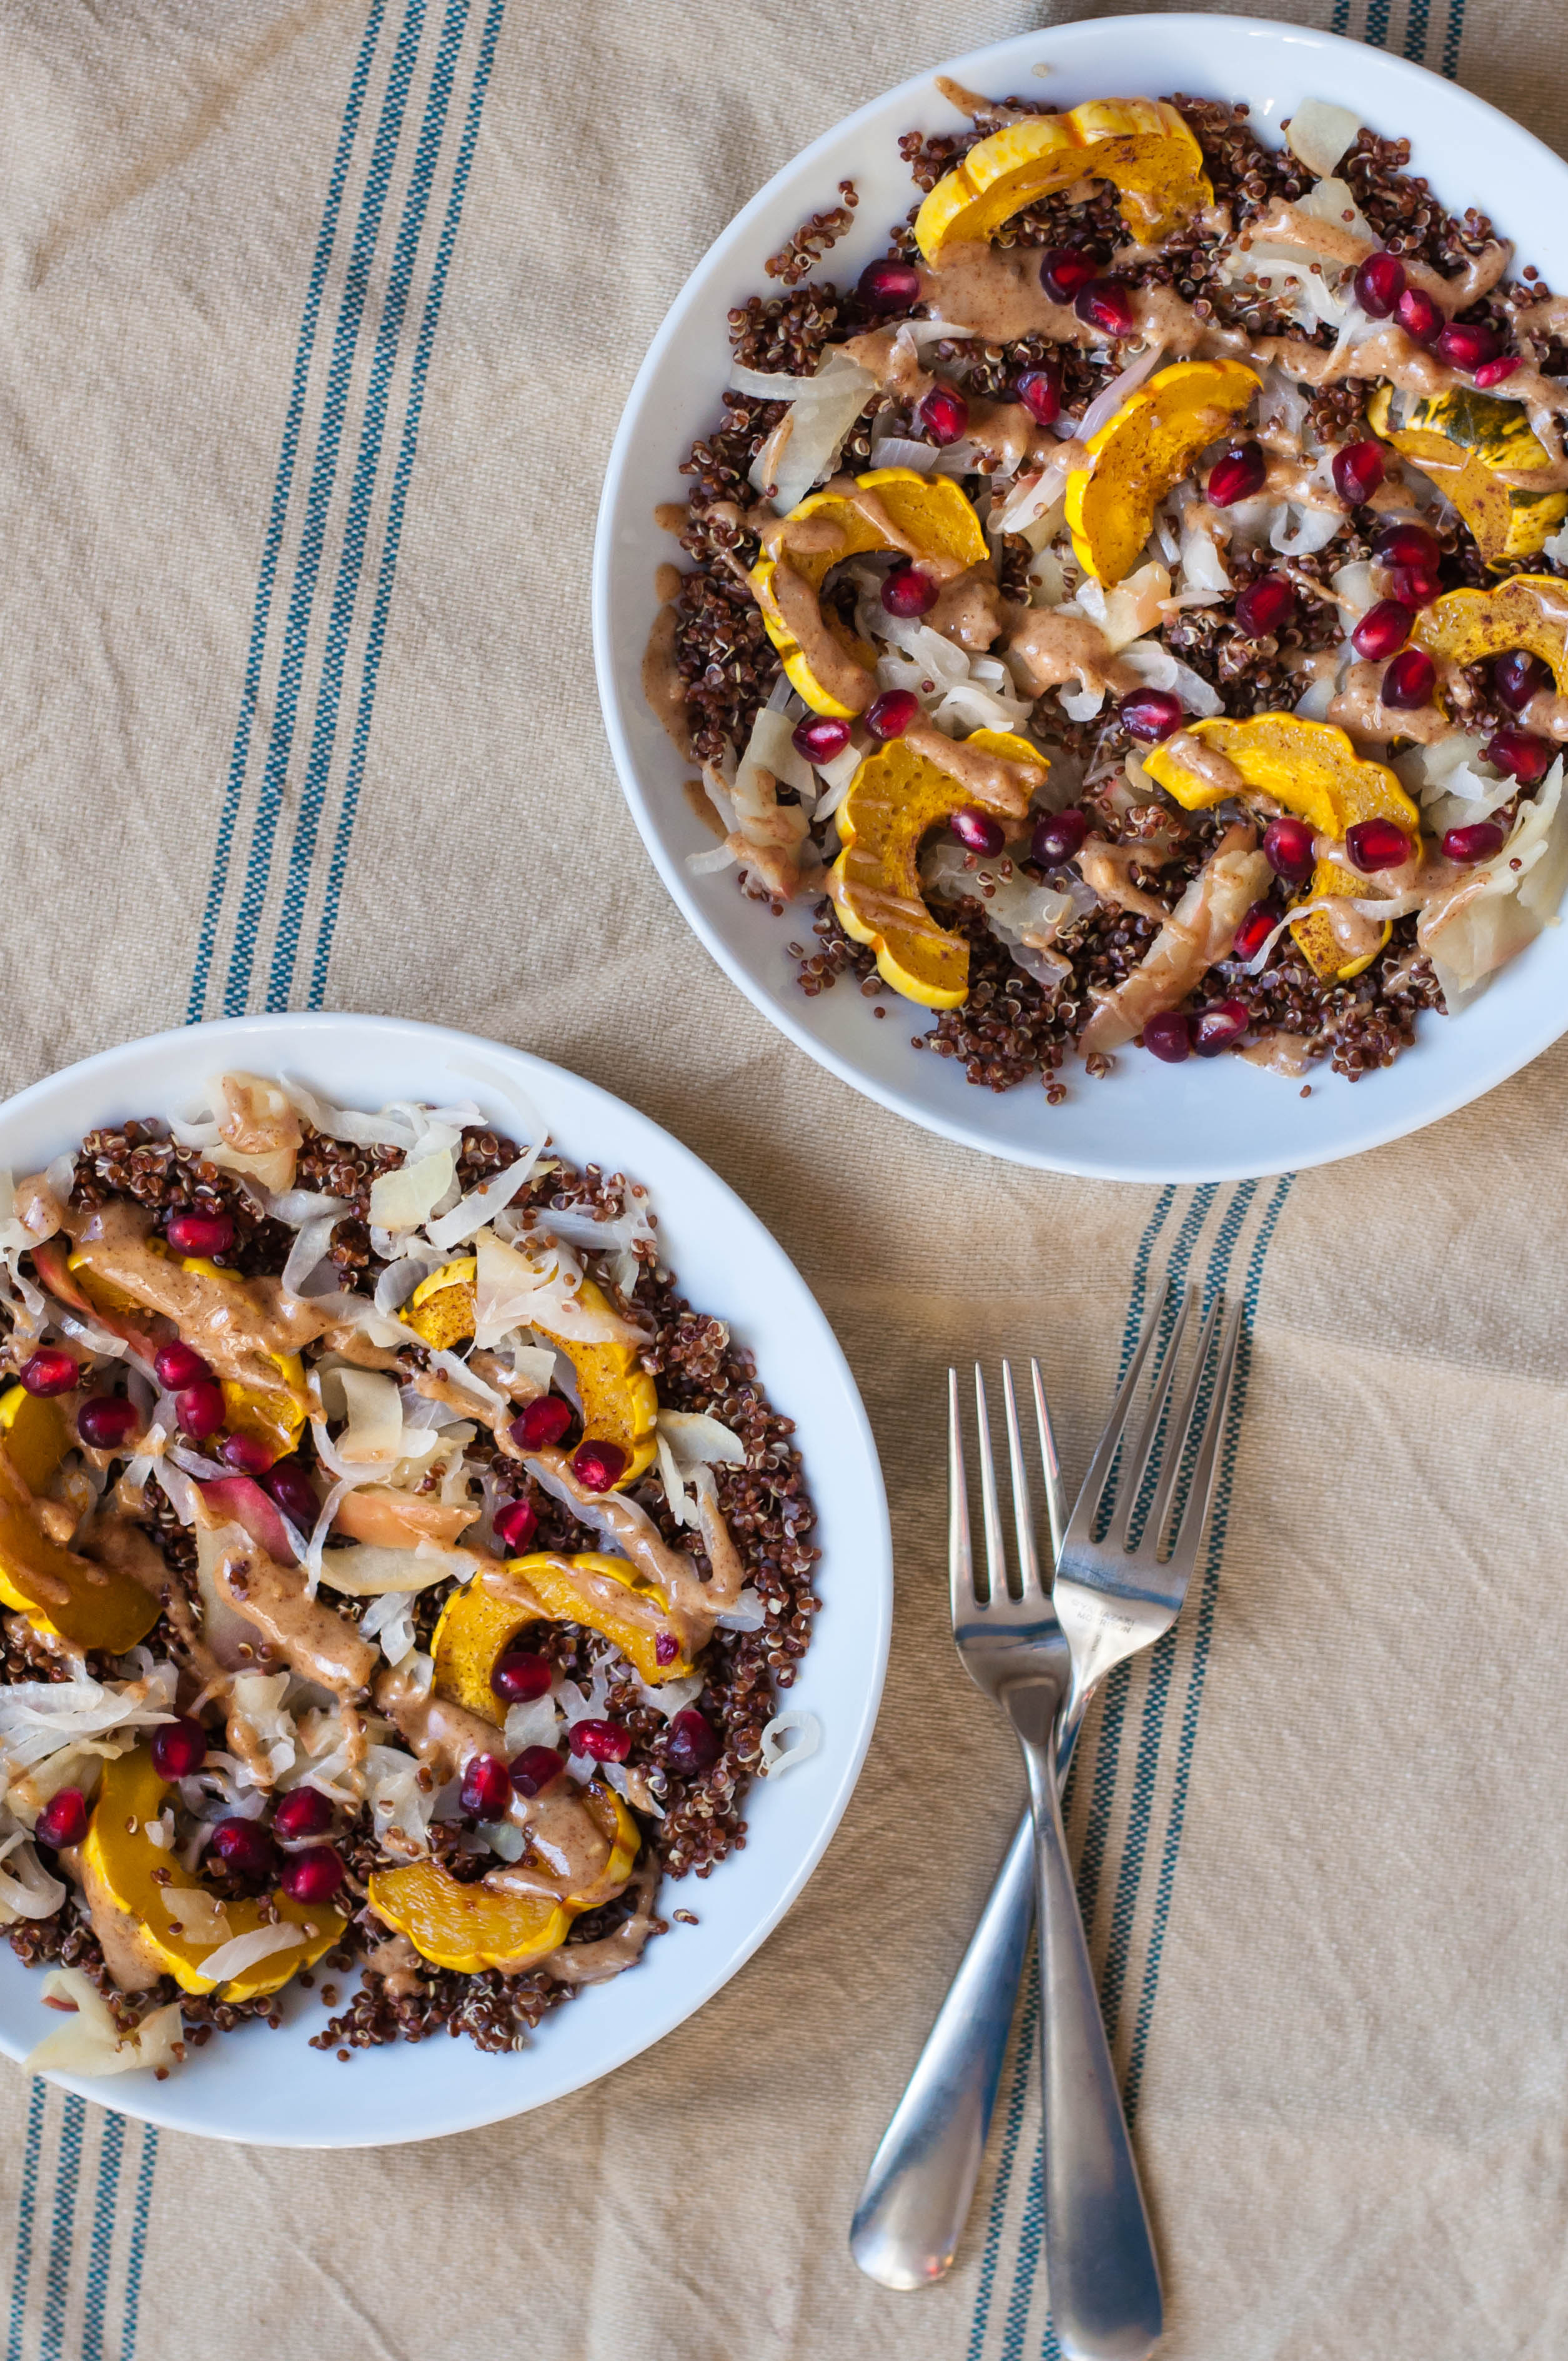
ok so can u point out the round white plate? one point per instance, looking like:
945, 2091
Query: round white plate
271, 2086
1204, 1120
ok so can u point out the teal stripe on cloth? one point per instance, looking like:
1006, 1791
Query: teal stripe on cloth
27, 2208
1452, 38
138, 2241
57, 2281
110, 2152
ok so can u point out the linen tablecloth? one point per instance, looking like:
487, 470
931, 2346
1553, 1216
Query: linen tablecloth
315, 320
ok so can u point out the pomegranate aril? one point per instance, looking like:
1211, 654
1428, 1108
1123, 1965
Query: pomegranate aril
312, 1876
179, 1748
1059, 835
200, 1409
1254, 930
1039, 390
908, 592
1169, 1035
49, 1371
1382, 631
200, 1233
543, 1421
1379, 283
1375, 844
1105, 304
820, 736
302, 1812
179, 1364
534, 1768
294, 1493
691, 1745
1359, 468
1289, 845
1479, 841
1266, 606
487, 1787
1519, 752
977, 829
1064, 269
63, 1820
1237, 475
247, 1452
1414, 585
941, 415
599, 1466
247, 1849
1150, 714
1406, 545
1467, 347
604, 1742
889, 715
1517, 678
106, 1420
889, 286
1216, 1026
1419, 316
1409, 681
666, 1647
1493, 372
520, 1676
515, 1525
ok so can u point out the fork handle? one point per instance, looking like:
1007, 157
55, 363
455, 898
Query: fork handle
1099, 2259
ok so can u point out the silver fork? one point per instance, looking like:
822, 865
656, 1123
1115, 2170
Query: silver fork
918, 2190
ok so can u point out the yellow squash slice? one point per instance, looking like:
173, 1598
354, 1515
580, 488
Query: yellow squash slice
1149, 446
468, 1929
1461, 439
1528, 611
1140, 144
92, 1606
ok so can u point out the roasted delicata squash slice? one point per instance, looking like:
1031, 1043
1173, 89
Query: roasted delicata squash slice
440, 1308
1464, 440
1309, 768
1528, 611
92, 1606
478, 1625
273, 1419
796, 662
896, 798
139, 1878
1150, 444
470, 1927
1140, 144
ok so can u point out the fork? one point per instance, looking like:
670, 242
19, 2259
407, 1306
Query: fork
918, 2189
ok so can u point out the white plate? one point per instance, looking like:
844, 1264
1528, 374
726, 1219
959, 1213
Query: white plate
1201, 1121
270, 2087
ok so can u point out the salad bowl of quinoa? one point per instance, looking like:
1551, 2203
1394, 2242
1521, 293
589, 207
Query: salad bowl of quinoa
444, 1580
1082, 599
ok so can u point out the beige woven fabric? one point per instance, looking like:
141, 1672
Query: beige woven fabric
1327, 1830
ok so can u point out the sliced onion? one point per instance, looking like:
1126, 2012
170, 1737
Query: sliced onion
233, 1958
402, 1198
804, 1729
1110, 397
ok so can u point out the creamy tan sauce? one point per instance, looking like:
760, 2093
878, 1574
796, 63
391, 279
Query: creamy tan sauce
1281, 1053
310, 1638
672, 516
830, 662
1199, 931
1010, 436
894, 361
662, 684
1359, 708
1206, 762
1547, 714
401, 1519
994, 780
1105, 868
1050, 647
633, 1532
611, 1955
667, 581
970, 610
808, 536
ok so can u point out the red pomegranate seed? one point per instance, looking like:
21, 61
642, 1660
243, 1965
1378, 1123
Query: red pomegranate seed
1359, 468
1169, 1035
1216, 1026
1480, 841
200, 1409
1039, 390
247, 1849
1254, 930
691, 1744
1493, 372
820, 736
599, 1466
977, 829
520, 1676
515, 1525
1409, 681
1419, 316
1467, 348
1379, 283
1375, 844
1064, 269
906, 591
294, 1493
1150, 714
941, 415
106, 1420
1289, 845
302, 1812
312, 1876
1059, 835
247, 1453
1517, 678
544, 1421
179, 1748
49, 1371
487, 1787
179, 1364
63, 1820
1237, 475
1519, 752
1413, 586
200, 1233
890, 714
1382, 631
1105, 304
605, 1741
1407, 545
1266, 606
534, 1768
889, 286
665, 1648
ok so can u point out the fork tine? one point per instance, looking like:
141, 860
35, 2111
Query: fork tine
989, 1508
1206, 1474
1178, 1437
1030, 1582
1055, 1506
961, 1558
1081, 1523
1132, 1481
